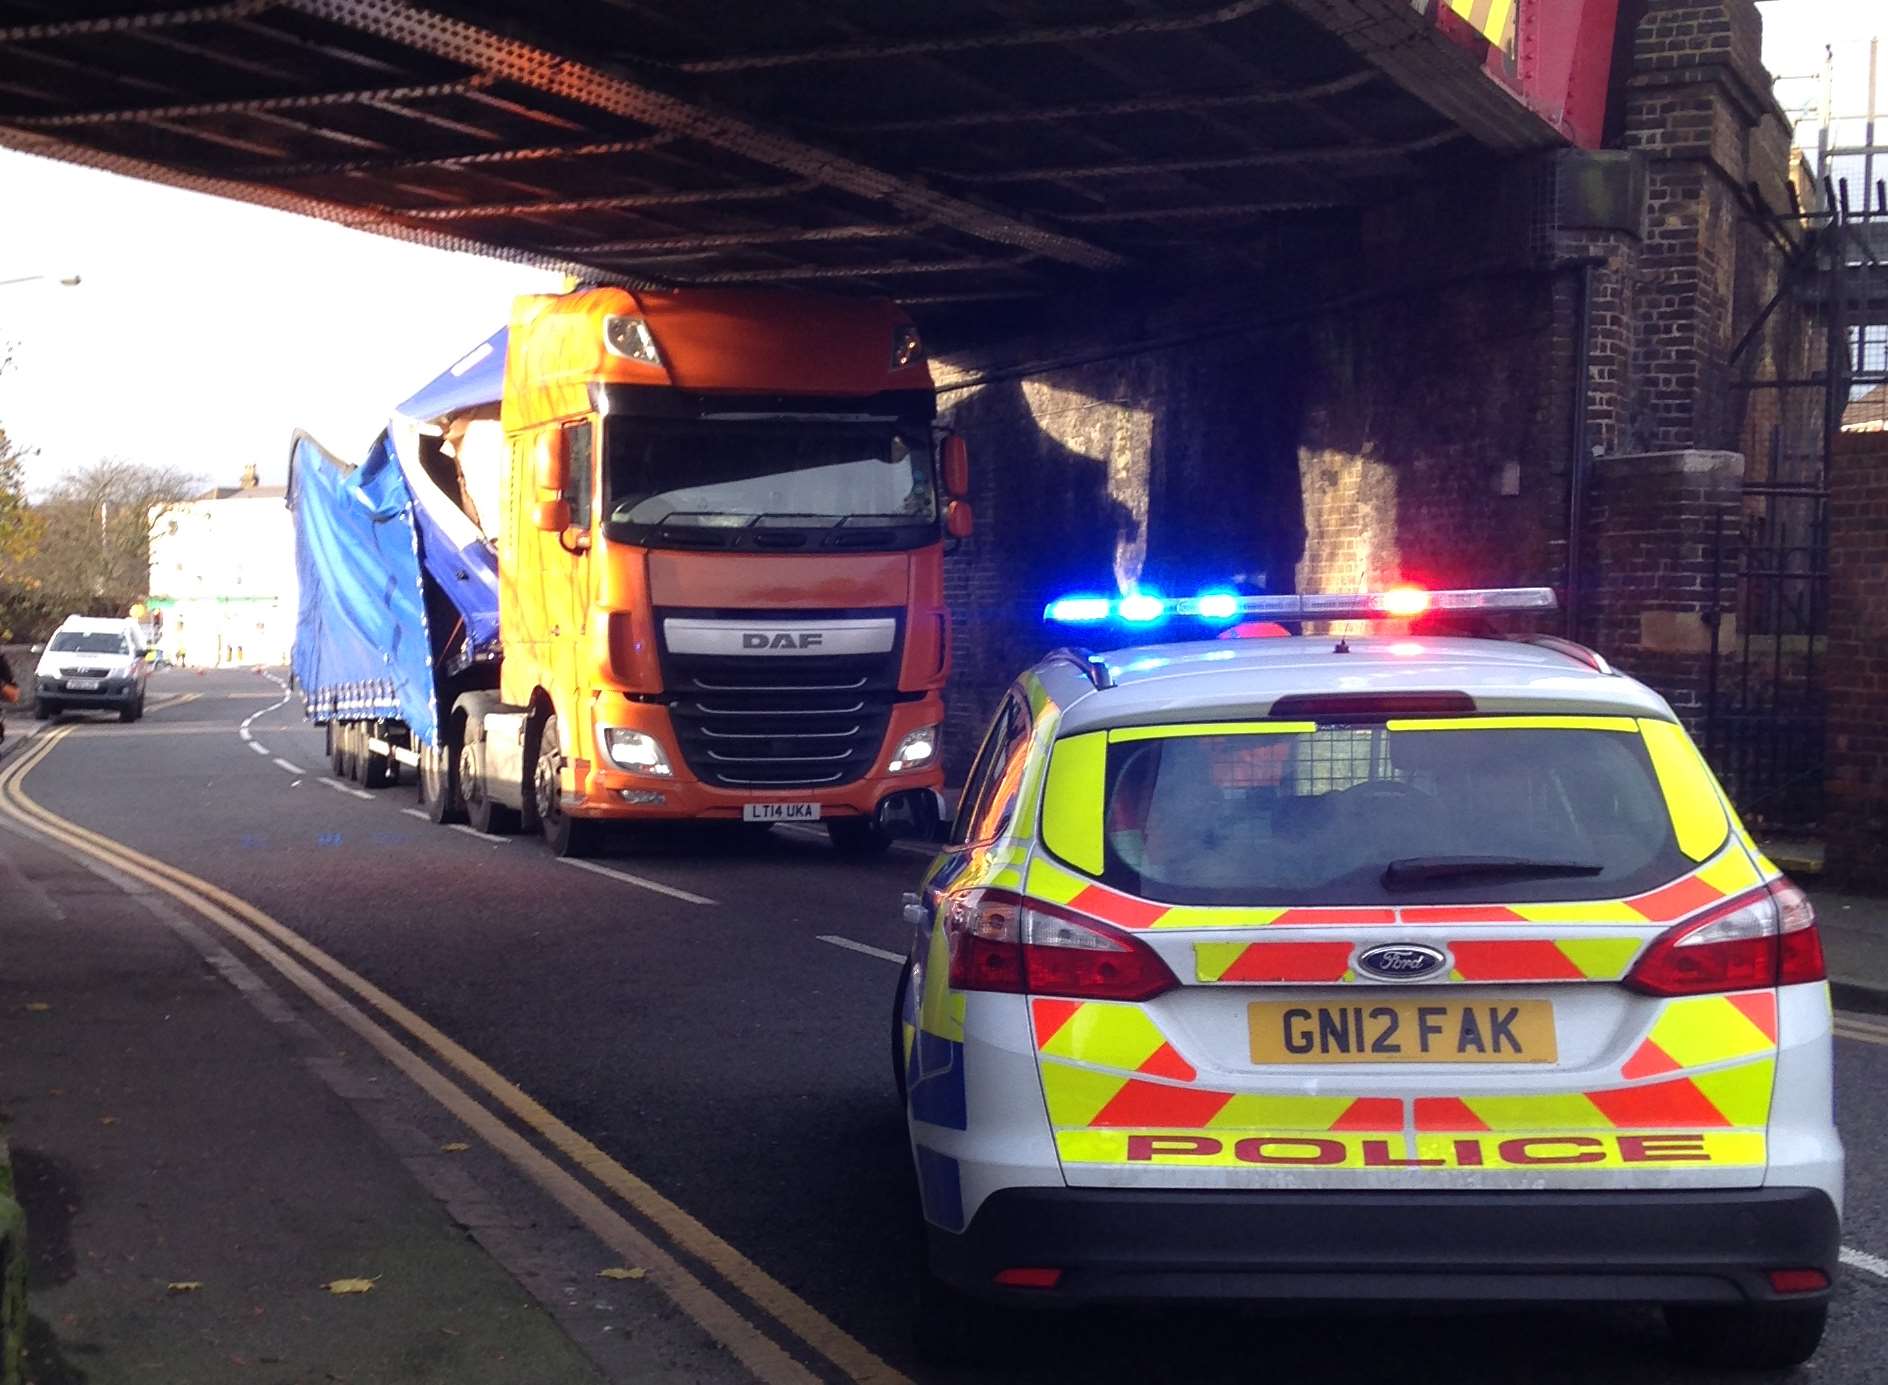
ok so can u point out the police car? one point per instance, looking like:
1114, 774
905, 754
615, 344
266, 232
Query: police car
1401, 967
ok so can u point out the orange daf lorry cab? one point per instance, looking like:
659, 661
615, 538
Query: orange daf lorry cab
721, 571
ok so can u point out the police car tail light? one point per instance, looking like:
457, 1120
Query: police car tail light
1765, 938
1001, 942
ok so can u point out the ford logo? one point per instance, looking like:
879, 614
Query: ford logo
1401, 961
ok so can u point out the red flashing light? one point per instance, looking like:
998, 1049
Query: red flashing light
1404, 601
1031, 1277
1798, 1281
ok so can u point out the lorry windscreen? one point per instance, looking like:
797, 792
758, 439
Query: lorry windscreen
759, 483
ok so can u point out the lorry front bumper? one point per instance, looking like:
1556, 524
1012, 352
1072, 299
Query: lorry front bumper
1663, 1246
612, 793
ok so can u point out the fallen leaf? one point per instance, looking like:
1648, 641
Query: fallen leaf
37, 1007
454, 1147
349, 1286
620, 1272
184, 1286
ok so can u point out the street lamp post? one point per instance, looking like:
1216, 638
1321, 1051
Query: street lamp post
65, 280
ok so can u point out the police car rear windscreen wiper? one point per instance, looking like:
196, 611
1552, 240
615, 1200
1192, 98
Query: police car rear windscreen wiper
1420, 870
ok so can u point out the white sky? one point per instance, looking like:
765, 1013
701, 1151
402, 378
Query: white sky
205, 331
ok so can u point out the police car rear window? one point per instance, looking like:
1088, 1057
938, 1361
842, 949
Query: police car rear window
1413, 811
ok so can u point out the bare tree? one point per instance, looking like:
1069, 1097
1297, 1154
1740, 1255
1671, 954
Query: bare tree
94, 550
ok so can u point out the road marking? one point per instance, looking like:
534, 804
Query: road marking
909, 848
290, 766
259, 747
866, 948
339, 787
671, 891
274, 941
172, 700
1862, 1260
416, 813
1855, 1021
1865, 1031
474, 832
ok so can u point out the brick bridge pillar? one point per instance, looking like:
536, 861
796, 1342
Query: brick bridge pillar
1856, 673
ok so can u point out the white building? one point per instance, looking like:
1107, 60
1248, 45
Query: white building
223, 583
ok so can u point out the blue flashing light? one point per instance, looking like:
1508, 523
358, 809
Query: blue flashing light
1140, 608
1216, 606
1078, 610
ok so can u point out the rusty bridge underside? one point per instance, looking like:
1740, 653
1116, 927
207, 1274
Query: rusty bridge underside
959, 155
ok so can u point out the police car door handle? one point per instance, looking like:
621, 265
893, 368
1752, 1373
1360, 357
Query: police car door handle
916, 915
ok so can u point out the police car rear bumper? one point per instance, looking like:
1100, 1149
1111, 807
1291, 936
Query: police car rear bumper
1654, 1247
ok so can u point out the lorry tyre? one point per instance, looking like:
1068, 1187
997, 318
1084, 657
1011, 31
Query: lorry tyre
337, 753
1748, 1336
439, 783
376, 769
858, 837
356, 750
492, 818
563, 834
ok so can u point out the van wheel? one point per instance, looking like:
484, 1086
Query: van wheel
492, 818
43, 710
563, 834
131, 711
439, 783
859, 837
1750, 1336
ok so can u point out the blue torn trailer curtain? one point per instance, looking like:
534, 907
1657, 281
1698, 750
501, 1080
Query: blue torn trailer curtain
361, 644
476, 378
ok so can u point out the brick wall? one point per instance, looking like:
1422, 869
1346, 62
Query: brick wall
1856, 671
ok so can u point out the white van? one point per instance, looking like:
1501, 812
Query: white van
92, 662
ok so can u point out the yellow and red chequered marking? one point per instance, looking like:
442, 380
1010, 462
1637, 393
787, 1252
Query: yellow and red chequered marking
1106, 1035
1726, 1098
1087, 1098
1253, 963
1729, 873
1697, 1031
1543, 959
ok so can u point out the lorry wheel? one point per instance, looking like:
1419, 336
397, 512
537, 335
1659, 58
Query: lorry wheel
439, 784
563, 834
376, 769
337, 748
356, 751
858, 837
485, 815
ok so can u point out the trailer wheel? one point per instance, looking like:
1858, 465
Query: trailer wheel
376, 769
563, 834
487, 816
337, 748
439, 783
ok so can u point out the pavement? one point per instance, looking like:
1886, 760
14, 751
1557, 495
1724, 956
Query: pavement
1855, 945
671, 1058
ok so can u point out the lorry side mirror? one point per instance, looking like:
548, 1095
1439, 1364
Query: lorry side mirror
552, 516
553, 464
954, 463
958, 521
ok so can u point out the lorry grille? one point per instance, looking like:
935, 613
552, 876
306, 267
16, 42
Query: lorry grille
773, 722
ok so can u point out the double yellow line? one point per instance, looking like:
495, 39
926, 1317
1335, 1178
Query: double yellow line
336, 989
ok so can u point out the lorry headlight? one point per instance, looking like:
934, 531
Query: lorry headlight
915, 751
630, 336
635, 750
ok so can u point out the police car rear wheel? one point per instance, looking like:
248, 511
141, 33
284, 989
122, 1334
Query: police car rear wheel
1748, 1337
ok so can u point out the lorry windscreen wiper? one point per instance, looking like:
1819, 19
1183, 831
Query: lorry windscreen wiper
1419, 870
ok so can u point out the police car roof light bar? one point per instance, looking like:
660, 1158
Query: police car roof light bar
1398, 603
